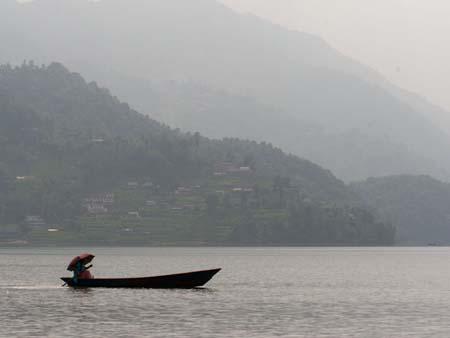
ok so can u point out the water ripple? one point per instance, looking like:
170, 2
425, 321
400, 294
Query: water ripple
260, 293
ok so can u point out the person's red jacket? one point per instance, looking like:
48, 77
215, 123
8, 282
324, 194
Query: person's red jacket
86, 274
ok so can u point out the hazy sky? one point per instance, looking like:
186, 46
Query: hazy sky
408, 41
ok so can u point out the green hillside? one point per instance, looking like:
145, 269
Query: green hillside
76, 160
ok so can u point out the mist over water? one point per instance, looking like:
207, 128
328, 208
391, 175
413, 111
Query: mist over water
290, 292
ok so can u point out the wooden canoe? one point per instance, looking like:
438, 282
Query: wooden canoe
187, 280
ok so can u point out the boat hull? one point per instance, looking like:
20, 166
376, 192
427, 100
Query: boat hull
187, 280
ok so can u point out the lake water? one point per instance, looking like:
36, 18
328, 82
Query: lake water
261, 292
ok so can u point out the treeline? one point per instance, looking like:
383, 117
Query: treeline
296, 221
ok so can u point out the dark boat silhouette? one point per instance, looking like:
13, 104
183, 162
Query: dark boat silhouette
188, 280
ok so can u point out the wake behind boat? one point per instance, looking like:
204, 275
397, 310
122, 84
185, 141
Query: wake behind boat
188, 280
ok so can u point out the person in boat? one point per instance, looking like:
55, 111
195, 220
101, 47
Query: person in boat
81, 271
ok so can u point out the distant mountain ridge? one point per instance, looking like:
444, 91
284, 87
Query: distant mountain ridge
328, 108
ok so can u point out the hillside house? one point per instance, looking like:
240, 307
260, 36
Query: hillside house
183, 191
98, 140
104, 199
98, 204
224, 168
24, 178
133, 185
134, 214
150, 203
35, 221
96, 209
244, 170
147, 185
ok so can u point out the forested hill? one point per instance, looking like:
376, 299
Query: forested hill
419, 206
66, 144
